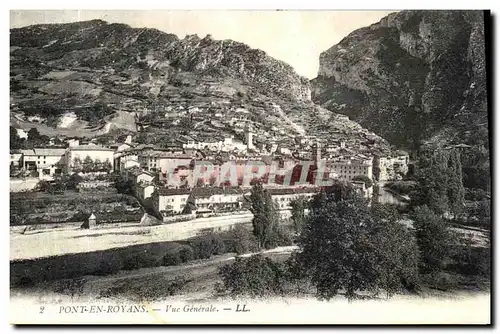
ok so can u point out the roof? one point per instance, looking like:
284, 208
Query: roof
145, 185
173, 191
165, 155
45, 151
292, 190
210, 191
90, 148
138, 171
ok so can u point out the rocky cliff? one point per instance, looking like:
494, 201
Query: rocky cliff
87, 78
413, 77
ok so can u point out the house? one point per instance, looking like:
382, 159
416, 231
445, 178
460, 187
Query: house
172, 200
22, 134
77, 155
139, 176
48, 161
123, 147
283, 197
126, 161
165, 162
217, 198
144, 190
73, 142
346, 168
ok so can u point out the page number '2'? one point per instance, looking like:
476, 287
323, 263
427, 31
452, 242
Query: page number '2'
42, 308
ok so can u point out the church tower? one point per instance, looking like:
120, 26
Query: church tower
249, 137
316, 153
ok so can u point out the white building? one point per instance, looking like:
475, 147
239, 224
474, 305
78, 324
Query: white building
283, 197
172, 200
127, 161
345, 169
22, 134
217, 199
48, 161
144, 191
156, 161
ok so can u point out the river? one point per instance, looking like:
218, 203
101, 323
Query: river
387, 197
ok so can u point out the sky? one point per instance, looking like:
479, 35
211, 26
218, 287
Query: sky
296, 37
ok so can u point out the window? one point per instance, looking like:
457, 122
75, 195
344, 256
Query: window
38, 162
45, 157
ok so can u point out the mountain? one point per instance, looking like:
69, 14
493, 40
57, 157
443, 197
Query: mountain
413, 77
93, 78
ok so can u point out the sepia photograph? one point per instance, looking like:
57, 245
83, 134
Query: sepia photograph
250, 167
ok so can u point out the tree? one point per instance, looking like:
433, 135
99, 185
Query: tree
77, 164
43, 186
122, 186
298, 213
348, 246
365, 179
97, 165
435, 239
265, 218
15, 141
73, 181
88, 164
337, 191
244, 240
107, 165
456, 191
431, 178
34, 135
439, 177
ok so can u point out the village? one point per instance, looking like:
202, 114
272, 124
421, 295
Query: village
149, 171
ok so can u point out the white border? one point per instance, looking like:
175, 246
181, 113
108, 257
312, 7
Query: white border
186, 4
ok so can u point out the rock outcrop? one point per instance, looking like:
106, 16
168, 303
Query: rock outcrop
415, 76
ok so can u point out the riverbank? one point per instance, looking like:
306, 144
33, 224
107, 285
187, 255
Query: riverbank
71, 239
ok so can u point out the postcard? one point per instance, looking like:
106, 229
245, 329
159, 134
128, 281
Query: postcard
250, 167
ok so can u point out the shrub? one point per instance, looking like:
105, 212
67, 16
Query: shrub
207, 245
402, 187
472, 260
253, 276
475, 194
143, 259
109, 265
242, 240
436, 241
365, 179
186, 253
